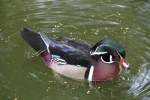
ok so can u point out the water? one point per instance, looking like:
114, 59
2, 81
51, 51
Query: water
23, 76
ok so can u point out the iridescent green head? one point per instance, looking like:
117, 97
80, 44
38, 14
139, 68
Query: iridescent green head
108, 51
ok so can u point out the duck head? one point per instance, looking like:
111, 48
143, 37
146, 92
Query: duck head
108, 56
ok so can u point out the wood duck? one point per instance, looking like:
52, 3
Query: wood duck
78, 59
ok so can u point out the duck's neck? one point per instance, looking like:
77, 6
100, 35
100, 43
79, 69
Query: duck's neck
104, 71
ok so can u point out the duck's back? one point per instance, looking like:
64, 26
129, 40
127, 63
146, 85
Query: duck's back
74, 52
78, 44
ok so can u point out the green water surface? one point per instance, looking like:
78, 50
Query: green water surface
23, 76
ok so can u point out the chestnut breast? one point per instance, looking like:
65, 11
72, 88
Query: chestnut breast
103, 71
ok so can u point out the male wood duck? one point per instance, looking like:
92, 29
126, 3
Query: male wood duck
77, 59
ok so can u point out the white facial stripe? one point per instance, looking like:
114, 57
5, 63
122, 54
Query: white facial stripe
98, 53
90, 77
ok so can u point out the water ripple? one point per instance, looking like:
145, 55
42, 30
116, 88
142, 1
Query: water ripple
119, 6
141, 82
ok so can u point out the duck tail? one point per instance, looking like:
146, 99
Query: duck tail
39, 42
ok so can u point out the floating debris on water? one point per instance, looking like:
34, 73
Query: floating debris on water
119, 6
71, 33
60, 24
96, 32
127, 28
51, 81
73, 88
106, 28
2, 39
50, 0
33, 75
98, 87
88, 92
15, 98
65, 82
25, 20
47, 89
123, 78
118, 13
